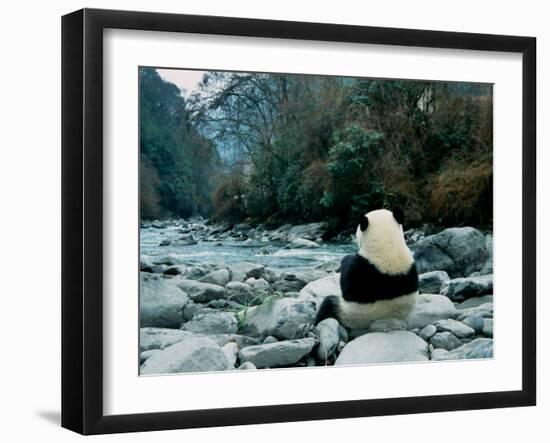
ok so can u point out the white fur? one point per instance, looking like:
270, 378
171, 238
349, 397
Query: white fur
360, 315
383, 243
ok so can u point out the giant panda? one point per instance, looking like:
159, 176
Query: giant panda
380, 281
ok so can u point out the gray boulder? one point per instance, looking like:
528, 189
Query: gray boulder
193, 354
387, 324
159, 338
272, 355
430, 308
445, 340
384, 347
329, 337
212, 323
219, 277
458, 251
432, 282
279, 317
247, 366
427, 332
202, 292
317, 290
243, 270
161, 302
146, 354
478, 348
476, 322
487, 330
484, 310
240, 292
456, 327
230, 350
487, 267
460, 289
475, 301
258, 283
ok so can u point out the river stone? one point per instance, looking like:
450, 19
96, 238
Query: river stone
161, 302
279, 317
240, 292
286, 286
456, 327
387, 324
212, 323
384, 347
302, 243
487, 330
478, 348
257, 283
329, 337
484, 310
202, 292
219, 277
460, 289
146, 354
269, 339
475, 301
427, 332
487, 267
432, 282
272, 355
159, 338
317, 290
445, 340
439, 354
309, 231
458, 251
475, 322
246, 366
193, 354
230, 350
429, 308
223, 339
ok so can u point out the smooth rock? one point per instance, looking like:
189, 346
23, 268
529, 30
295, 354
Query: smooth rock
384, 347
460, 289
219, 277
161, 302
202, 292
329, 336
246, 366
487, 330
439, 354
146, 354
192, 354
475, 301
258, 283
387, 324
159, 338
478, 348
445, 340
485, 311
279, 317
429, 308
212, 323
456, 327
475, 322
241, 293
427, 332
487, 267
243, 270
317, 290
458, 251
230, 350
269, 339
432, 282
272, 355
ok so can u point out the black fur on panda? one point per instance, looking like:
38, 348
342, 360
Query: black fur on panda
380, 281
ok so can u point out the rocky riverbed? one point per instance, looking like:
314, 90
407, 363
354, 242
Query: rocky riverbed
215, 297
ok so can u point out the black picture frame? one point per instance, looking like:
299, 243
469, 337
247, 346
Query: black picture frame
82, 218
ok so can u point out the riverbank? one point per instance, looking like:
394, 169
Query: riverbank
219, 297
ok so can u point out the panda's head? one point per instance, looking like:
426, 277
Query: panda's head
381, 241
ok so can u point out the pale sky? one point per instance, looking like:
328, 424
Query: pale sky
186, 80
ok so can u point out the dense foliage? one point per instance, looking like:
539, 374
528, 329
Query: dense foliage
306, 148
176, 162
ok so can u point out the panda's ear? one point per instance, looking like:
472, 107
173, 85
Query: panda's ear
363, 223
398, 215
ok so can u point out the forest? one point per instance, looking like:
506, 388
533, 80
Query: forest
287, 148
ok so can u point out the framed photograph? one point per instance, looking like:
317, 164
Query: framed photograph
269, 221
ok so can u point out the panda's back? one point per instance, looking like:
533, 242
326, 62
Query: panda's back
363, 282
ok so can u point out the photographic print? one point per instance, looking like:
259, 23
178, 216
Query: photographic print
298, 221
